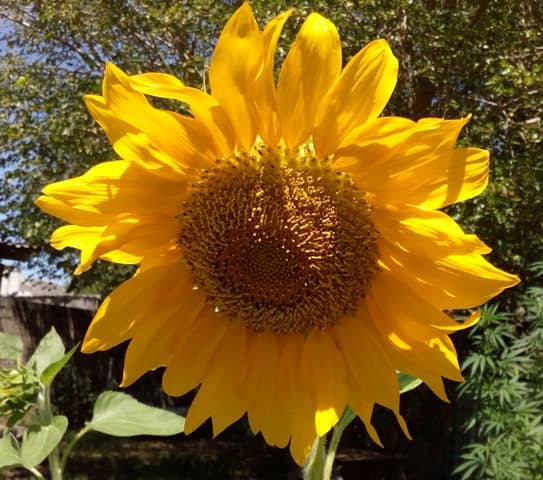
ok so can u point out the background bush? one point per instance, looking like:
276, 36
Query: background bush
503, 393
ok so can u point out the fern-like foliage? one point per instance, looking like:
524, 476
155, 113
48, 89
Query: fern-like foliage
503, 393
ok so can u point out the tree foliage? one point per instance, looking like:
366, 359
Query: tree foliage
456, 57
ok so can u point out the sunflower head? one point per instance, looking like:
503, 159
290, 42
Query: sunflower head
291, 248
278, 240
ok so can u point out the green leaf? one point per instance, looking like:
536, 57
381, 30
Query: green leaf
11, 347
52, 370
40, 440
49, 350
9, 452
120, 415
408, 382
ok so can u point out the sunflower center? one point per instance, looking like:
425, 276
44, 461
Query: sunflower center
278, 240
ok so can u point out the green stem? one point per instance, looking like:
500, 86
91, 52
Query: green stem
36, 473
314, 467
334, 443
45, 411
71, 445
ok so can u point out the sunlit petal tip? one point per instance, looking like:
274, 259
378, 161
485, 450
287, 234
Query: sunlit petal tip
41, 201
127, 379
81, 269
380, 51
91, 345
113, 77
113, 70
316, 24
467, 323
94, 101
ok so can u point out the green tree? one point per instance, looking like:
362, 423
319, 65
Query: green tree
456, 57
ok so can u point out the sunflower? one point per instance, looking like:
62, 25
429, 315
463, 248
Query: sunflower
292, 255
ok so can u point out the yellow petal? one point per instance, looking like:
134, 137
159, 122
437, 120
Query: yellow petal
188, 366
221, 395
85, 239
324, 371
359, 95
203, 106
413, 149
115, 212
153, 339
234, 66
126, 240
414, 321
111, 188
428, 233
448, 178
370, 371
465, 176
262, 378
122, 309
268, 119
452, 282
82, 238
310, 68
59, 209
363, 408
150, 136
300, 402
376, 140
418, 166
366, 360
266, 410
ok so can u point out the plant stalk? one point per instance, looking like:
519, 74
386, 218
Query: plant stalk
34, 471
46, 416
70, 447
314, 467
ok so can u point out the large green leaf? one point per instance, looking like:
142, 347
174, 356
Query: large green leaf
49, 350
52, 370
11, 346
9, 452
40, 440
120, 415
